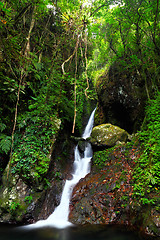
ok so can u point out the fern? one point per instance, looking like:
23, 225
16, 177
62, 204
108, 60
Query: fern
5, 143
2, 126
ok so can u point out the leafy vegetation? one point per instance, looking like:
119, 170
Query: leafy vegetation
51, 54
147, 171
43, 78
128, 34
102, 157
33, 142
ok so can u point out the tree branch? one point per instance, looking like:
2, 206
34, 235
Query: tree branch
96, 10
70, 56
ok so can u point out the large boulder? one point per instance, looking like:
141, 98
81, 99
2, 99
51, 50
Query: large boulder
107, 135
121, 97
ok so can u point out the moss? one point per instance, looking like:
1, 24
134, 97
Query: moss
12, 209
108, 135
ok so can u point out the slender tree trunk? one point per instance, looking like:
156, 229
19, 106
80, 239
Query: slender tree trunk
86, 64
22, 76
75, 105
27, 49
15, 120
75, 89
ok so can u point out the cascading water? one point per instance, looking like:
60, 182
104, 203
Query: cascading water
88, 129
59, 218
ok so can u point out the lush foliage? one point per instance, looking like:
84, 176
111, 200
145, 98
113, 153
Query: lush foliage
43, 78
33, 147
147, 171
102, 157
39, 44
128, 33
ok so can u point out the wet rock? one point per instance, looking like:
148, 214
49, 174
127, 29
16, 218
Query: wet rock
12, 200
107, 135
105, 196
81, 146
77, 139
155, 217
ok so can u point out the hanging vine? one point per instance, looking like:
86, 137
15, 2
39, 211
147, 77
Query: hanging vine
22, 76
75, 87
15, 119
85, 40
80, 31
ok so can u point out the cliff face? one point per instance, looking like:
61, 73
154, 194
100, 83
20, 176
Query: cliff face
121, 98
107, 194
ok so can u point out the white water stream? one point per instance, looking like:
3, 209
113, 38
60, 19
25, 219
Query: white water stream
59, 218
88, 129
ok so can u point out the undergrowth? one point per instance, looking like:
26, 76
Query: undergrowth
32, 147
147, 172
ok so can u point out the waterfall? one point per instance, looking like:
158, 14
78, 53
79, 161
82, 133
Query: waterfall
59, 218
88, 129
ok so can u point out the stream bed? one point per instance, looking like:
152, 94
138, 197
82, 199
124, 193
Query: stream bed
88, 232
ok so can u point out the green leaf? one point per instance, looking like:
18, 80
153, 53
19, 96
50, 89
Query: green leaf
2, 127
5, 143
38, 66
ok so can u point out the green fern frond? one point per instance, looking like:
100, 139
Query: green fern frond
2, 126
5, 143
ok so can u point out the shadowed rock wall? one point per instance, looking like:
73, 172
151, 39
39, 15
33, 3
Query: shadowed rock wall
121, 98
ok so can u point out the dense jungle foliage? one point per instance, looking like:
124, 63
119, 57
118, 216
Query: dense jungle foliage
52, 53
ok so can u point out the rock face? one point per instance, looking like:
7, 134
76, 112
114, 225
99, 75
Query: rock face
101, 197
107, 135
121, 97
106, 196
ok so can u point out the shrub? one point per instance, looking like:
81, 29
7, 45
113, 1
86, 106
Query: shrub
147, 172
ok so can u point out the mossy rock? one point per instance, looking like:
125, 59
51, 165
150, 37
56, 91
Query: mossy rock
108, 135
